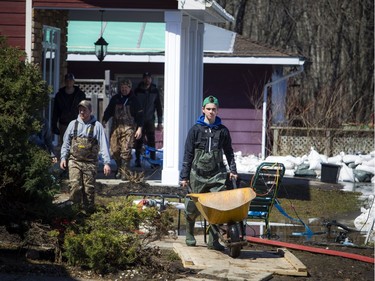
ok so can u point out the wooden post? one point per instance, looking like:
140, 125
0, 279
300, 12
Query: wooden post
94, 103
106, 96
275, 146
328, 143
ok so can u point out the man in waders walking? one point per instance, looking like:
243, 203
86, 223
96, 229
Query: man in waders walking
127, 121
84, 140
203, 168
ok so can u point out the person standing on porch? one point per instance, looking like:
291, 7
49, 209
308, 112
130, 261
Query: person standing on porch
65, 108
127, 122
203, 168
149, 98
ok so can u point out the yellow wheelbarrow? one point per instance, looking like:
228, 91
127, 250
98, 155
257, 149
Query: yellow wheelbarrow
226, 212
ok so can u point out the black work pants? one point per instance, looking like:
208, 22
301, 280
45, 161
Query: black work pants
148, 137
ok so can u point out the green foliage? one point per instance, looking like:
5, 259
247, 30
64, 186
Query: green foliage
110, 238
24, 169
121, 215
103, 250
173, 256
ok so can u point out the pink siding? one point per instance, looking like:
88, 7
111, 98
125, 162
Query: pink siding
241, 113
246, 130
245, 126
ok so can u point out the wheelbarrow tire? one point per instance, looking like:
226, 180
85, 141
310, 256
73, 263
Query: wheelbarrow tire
234, 234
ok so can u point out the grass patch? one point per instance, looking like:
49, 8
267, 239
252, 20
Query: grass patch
321, 204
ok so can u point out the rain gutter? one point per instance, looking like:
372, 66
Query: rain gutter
219, 11
265, 98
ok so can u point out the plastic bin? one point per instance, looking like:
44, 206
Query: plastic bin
330, 172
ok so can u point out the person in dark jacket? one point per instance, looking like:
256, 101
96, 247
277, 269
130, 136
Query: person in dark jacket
149, 98
65, 108
203, 168
127, 122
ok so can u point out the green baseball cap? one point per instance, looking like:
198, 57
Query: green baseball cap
210, 99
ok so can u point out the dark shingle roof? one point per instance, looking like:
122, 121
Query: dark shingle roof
245, 47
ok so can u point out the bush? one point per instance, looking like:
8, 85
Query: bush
24, 168
103, 250
110, 239
25, 175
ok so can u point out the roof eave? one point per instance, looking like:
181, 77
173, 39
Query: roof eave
159, 58
205, 11
255, 60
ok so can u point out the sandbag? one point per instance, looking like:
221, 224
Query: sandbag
346, 174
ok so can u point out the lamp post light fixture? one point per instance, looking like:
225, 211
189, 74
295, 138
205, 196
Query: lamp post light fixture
101, 48
101, 45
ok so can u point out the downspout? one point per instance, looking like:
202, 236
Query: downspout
265, 97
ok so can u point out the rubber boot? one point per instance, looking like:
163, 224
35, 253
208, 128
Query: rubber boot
118, 172
125, 170
190, 239
213, 241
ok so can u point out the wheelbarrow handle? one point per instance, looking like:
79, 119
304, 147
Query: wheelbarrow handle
234, 182
188, 189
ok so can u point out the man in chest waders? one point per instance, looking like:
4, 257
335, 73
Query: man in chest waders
203, 168
84, 139
127, 121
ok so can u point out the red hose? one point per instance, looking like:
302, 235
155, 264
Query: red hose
310, 249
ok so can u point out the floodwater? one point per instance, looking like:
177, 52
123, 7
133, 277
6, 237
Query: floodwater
340, 229
326, 233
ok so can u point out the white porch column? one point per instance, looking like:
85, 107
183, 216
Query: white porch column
198, 71
173, 118
195, 88
183, 88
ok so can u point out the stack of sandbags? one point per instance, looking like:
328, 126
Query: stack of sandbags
246, 164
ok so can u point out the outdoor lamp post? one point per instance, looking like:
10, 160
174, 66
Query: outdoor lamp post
101, 48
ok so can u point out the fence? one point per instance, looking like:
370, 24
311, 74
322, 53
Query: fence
330, 142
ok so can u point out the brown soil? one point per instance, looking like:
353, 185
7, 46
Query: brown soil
166, 266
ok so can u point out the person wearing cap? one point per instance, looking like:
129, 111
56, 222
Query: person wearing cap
203, 169
127, 122
84, 139
149, 98
65, 107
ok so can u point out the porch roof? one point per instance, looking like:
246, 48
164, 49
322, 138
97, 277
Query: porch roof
145, 42
137, 37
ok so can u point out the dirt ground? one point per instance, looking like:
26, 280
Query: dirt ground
167, 267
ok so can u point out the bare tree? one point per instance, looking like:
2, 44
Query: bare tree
337, 39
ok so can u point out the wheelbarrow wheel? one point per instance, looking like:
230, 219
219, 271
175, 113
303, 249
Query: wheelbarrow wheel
234, 234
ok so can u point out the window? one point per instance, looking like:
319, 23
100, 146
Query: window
51, 63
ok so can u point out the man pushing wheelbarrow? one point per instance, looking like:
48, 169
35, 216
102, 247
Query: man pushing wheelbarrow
203, 169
